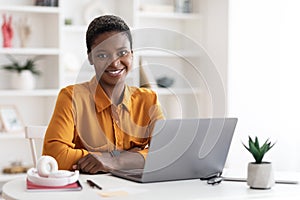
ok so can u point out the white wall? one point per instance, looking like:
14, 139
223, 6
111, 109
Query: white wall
264, 82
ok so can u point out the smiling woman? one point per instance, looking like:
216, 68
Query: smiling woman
94, 118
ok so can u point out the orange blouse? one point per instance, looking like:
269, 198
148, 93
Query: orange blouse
85, 120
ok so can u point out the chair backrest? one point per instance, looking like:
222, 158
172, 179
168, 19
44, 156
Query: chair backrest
34, 133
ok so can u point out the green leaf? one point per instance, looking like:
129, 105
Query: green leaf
256, 143
247, 148
256, 150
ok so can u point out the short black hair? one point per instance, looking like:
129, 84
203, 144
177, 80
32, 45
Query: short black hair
103, 24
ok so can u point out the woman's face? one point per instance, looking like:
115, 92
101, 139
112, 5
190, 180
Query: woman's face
111, 56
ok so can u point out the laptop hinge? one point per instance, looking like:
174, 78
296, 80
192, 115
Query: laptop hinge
215, 175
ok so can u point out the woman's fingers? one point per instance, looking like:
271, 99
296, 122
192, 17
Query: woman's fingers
91, 164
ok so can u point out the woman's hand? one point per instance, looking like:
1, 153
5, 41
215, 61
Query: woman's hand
96, 162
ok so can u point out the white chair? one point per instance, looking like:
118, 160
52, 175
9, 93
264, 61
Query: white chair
34, 133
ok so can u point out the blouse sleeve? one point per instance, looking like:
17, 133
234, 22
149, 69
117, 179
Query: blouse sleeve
59, 138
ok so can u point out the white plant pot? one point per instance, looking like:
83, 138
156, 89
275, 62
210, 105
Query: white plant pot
23, 81
260, 176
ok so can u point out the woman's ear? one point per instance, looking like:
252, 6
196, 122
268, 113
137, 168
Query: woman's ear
90, 58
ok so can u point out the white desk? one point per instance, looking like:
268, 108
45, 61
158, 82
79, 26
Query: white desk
187, 189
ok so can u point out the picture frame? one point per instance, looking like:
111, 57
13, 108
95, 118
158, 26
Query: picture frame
10, 118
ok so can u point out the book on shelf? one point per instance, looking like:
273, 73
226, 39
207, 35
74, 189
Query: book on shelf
39, 188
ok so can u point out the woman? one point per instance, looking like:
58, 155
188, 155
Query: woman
103, 124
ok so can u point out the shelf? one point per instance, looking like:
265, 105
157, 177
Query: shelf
4, 135
37, 92
172, 15
30, 51
177, 91
165, 53
30, 9
79, 74
54, 92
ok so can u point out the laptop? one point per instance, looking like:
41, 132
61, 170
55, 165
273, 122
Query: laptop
183, 149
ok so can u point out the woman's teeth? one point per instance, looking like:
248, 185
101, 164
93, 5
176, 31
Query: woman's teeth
115, 72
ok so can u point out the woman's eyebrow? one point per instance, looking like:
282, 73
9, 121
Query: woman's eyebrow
100, 50
122, 48
104, 50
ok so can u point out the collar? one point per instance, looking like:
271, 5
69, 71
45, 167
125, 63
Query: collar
102, 101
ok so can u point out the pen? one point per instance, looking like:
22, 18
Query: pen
93, 184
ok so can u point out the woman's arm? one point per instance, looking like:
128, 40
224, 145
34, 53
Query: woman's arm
59, 138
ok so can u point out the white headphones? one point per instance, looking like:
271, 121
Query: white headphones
47, 173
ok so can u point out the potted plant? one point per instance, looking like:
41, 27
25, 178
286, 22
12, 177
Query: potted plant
23, 73
260, 173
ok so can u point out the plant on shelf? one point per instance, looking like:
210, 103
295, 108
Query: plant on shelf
260, 173
22, 76
17, 66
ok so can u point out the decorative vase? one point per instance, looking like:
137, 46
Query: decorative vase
260, 176
24, 80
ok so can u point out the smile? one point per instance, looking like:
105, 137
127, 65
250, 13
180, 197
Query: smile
117, 72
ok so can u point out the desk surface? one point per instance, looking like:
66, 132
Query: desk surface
122, 189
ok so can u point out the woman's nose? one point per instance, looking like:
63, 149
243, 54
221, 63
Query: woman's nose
115, 62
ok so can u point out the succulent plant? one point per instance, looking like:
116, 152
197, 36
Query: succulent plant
258, 151
30, 65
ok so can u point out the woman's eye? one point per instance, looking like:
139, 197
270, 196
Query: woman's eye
123, 53
102, 55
